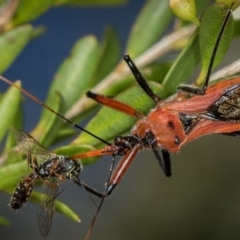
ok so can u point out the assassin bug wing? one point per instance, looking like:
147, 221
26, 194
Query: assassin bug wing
227, 107
46, 210
29, 145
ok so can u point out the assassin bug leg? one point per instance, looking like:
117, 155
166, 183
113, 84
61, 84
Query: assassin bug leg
114, 104
199, 91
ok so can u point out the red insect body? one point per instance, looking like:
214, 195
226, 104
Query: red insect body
177, 122
172, 124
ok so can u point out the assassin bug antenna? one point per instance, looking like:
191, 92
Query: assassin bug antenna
202, 91
140, 79
51, 110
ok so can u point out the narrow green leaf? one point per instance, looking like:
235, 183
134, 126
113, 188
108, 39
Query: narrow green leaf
236, 28
201, 5
8, 108
211, 25
183, 67
156, 72
74, 75
12, 43
109, 52
103, 3
4, 221
11, 174
48, 127
18, 124
59, 206
109, 123
29, 10
149, 26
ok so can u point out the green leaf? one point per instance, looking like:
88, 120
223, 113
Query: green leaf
12, 43
73, 78
59, 206
211, 25
18, 124
4, 221
8, 108
109, 52
103, 3
236, 28
11, 174
157, 71
109, 123
183, 67
48, 127
29, 10
149, 26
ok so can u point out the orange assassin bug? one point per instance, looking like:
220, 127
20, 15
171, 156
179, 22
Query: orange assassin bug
192, 113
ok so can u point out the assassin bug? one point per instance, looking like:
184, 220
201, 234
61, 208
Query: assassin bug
193, 113
53, 170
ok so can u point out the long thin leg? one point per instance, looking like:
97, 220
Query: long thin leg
164, 162
112, 103
108, 150
91, 190
140, 79
121, 169
115, 179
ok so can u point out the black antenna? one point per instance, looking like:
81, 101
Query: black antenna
215, 49
140, 79
51, 110
202, 91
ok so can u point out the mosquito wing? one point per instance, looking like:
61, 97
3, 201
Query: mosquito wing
46, 210
29, 145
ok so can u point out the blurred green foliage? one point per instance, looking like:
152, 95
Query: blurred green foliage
104, 73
